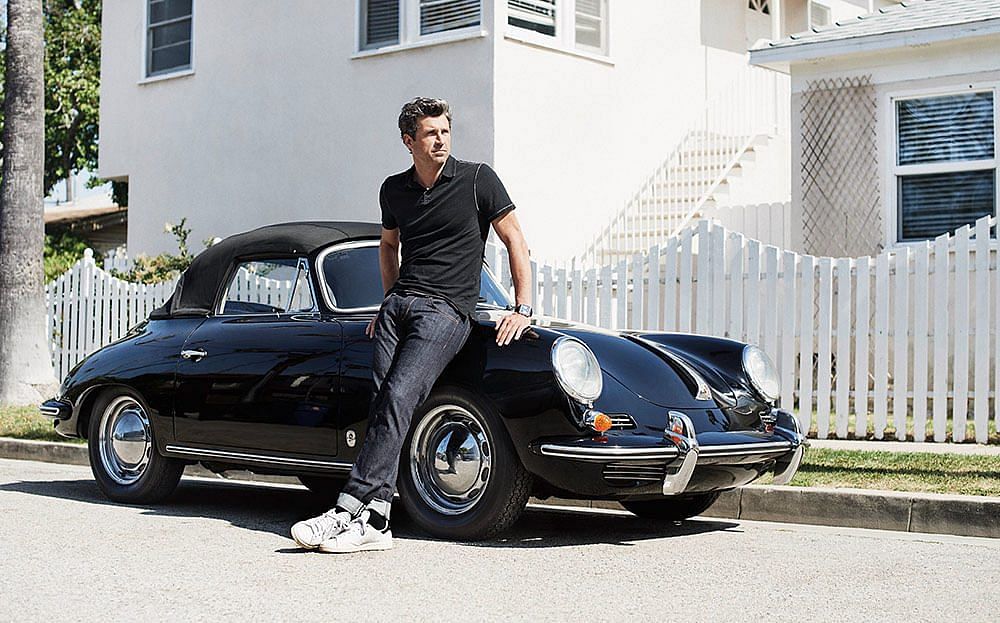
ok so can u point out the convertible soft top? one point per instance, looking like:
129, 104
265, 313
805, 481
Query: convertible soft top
196, 290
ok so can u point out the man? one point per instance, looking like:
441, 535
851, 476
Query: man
440, 211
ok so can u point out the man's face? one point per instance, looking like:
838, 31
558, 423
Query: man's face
433, 141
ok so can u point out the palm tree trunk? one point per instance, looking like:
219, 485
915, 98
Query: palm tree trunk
26, 374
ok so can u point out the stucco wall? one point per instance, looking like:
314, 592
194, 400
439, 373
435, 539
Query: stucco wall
913, 69
577, 137
277, 122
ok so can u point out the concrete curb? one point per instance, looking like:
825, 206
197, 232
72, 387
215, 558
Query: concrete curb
959, 515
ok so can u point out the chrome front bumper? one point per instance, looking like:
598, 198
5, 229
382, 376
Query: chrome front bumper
787, 453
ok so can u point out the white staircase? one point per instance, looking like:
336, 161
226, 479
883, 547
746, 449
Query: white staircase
723, 139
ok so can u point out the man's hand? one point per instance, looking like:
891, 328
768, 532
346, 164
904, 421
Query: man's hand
511, 327
370, 329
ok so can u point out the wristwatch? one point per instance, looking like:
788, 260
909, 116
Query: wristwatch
524, 310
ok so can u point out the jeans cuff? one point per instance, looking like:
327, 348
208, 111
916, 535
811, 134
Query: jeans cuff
350, 504
381, 507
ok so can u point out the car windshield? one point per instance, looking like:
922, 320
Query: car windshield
352, 280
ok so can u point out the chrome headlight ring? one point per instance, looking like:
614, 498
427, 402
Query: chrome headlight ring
577, 370
762, 374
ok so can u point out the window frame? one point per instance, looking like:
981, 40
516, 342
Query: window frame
409, 29
321, 275
224, 291
357, 244
565, 37
147, 51
893, 171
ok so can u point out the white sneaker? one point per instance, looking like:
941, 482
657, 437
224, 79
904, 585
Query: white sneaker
310, 533
360, 536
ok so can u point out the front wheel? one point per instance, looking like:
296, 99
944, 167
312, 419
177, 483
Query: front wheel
459, 476
123, 455
672, 509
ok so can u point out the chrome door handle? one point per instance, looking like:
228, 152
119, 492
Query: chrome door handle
193, 354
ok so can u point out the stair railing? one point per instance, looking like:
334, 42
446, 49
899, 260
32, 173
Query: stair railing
750, 107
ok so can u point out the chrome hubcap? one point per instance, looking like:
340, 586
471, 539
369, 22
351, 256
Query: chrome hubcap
450, 459
125, 441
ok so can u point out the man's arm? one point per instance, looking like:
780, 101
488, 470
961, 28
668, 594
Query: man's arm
388, 263
509, 231
388, 257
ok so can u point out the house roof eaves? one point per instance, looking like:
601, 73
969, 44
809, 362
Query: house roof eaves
805, 51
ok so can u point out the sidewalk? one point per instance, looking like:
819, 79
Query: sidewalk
959, 515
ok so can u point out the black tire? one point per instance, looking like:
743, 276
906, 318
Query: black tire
672, 508
155, 476
505, 488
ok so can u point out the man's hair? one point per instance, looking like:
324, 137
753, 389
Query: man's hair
418, 108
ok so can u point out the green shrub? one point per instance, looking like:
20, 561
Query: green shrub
62, 251
165, 266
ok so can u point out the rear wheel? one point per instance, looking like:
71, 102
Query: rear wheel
673, 508
122, 448
459, 475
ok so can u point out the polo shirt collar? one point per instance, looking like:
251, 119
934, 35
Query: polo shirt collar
447, 172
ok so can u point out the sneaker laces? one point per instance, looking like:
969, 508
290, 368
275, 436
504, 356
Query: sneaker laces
327, 525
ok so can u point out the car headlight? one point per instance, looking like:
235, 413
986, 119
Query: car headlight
577, 369
762, 373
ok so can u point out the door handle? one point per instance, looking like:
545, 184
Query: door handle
193, 354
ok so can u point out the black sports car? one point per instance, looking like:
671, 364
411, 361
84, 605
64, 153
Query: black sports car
259, 361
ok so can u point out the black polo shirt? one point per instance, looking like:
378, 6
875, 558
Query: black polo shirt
443, 229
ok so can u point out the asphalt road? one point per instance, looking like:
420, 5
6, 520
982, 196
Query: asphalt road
220, 551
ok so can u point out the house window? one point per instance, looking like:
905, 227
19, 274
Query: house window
395, 22
761, 6
577, 24
946, 165
168, 36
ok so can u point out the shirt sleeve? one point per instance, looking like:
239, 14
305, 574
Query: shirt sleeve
388, 220
492, 199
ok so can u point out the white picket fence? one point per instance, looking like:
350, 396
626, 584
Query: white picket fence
855, 339
901, 345
87, 307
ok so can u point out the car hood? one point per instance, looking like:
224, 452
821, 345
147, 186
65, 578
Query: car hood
646, 363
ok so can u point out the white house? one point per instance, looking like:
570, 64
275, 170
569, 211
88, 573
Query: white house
611, 122
894, 124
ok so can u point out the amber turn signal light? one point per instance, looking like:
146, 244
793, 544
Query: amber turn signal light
676, 426
599, 422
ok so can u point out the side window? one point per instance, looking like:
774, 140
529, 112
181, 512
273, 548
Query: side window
352, 277
269, 287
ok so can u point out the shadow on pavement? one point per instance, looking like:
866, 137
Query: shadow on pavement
275, 509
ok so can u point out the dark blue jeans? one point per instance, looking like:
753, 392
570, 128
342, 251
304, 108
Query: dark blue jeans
415, 338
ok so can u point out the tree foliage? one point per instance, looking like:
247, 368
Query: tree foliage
72, 88
72, 81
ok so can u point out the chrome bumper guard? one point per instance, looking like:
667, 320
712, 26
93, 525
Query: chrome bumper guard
685, 446
56, 409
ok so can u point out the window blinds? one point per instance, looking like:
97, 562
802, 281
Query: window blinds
589, 15
932, 205
444, 15
381, 23
946, 129
537, 15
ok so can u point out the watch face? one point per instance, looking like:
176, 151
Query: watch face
524, 310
